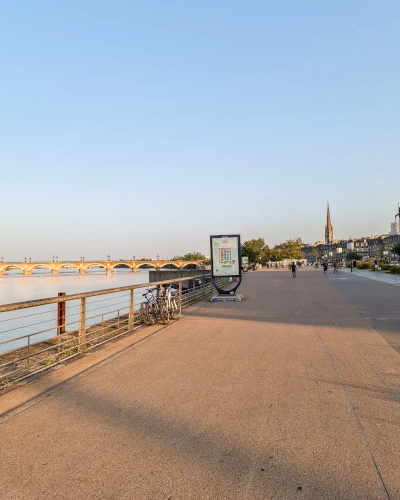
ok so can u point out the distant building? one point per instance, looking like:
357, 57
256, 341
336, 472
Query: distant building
394, 228
378, 247
328, 228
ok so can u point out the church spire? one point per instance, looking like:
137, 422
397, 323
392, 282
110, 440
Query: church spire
328, 217
328, 227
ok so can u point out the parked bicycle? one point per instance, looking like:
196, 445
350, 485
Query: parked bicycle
151, 311
173, 302
167, 305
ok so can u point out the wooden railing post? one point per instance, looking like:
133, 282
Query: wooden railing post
61, 315
131, 320
180, 291
82, 326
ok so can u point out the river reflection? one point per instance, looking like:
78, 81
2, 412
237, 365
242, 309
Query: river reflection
15, 287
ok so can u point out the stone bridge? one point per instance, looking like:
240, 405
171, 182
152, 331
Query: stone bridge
82, 267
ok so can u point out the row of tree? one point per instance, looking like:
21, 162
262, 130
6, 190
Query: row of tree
356, 256
260, 253
192, 256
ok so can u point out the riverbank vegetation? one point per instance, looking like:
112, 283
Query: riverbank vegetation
192, 256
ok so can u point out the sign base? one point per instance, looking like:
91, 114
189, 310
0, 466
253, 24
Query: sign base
226, 298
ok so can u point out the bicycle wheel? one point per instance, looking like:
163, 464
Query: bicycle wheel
143, 313
164, 311
151, 314
176, 308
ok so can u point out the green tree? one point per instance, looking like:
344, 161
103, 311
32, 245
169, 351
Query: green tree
291, 249
265, 255
315, 254
253, 249
396, 249
275, 254
191, 256
353, 256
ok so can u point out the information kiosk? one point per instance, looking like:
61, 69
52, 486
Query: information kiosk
226, 263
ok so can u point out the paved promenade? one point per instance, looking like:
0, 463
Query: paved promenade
390, 279
289, 394
375, 298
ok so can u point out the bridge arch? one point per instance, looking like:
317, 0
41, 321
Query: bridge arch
68, 265
147, 265
94, 264
121, 265
193, 265
170, 265
41, 266
12, 267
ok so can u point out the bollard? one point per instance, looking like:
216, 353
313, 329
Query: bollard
61, 315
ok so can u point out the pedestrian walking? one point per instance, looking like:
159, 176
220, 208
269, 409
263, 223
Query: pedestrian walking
376, 267
354, 264
325, 267
293, 267
335, 267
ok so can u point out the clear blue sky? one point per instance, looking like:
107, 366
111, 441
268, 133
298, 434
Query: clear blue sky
131, 128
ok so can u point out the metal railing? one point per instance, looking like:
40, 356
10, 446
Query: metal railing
41, 333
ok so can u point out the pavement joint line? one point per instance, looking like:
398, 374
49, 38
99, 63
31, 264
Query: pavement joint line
52, 390
351, 407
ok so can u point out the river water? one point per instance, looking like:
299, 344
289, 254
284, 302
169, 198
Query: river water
15, 287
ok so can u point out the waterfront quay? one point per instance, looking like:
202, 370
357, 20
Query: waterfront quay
291, 393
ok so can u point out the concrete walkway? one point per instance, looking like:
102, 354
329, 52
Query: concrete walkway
289, 394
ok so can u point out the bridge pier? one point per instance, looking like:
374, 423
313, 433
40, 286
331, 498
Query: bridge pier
54, 271
82, 271
27, 272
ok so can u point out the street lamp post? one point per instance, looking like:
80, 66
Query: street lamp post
350, 246
108, 257
339, 251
